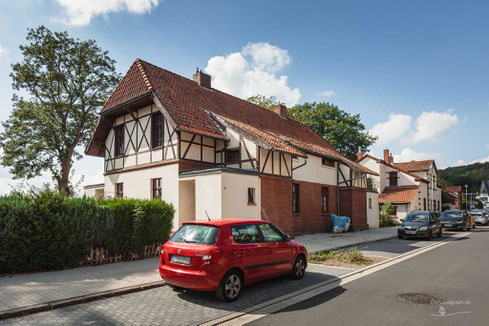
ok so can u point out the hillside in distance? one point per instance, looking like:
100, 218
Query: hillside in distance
471, 175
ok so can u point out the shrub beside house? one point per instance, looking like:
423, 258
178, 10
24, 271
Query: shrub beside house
47, 231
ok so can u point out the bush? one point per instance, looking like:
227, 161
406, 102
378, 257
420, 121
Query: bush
385, 219
46, 231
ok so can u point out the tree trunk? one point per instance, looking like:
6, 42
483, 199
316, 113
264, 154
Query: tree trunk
64, 180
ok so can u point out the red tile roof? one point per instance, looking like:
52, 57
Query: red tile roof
416, 165
454, 188
188, 104
398, 194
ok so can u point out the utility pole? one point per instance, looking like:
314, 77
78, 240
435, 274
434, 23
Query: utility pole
466, 197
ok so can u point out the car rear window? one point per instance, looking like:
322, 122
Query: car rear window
447, 215
199, 234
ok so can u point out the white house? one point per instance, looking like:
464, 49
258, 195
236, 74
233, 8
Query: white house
163, 136
484, 194
408, 186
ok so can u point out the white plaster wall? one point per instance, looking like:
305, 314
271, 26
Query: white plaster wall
374, 166
137, 184
314, 171
402, 210
235, 196
373, 213
208, 196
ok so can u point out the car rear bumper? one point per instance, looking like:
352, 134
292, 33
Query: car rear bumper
418, 234
196, 280
453, 226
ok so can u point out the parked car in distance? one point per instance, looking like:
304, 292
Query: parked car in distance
224, 255
479, 217
456, 219
420, 224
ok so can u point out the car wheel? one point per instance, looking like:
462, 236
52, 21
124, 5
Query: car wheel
430, 236
440, 233
400, 237
230, 287
299, 268
464, 227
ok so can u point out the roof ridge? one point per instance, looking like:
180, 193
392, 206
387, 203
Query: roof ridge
143, 72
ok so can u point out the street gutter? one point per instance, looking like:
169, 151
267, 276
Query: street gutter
33, 309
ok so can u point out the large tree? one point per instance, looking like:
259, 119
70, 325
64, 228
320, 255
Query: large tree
65, 81
342, 130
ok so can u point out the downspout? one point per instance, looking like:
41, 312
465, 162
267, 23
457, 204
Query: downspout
338, 189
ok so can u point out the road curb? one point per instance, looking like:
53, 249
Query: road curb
33, 309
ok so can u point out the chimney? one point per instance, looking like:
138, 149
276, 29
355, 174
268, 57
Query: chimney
281, 110
202, 79
391, 158
387, 155
359, 156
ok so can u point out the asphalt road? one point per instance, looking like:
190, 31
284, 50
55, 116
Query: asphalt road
456, 273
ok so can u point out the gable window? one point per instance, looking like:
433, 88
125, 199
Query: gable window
157, 130
156, 188
119, 190
324, 200
393, 179
232, 155
251, 195
327, 162
295, 198
119, 141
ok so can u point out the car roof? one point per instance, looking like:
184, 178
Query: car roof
226, 222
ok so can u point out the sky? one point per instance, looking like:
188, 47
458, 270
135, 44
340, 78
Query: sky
417, 72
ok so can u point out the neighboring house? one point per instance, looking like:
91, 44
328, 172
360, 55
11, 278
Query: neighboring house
456, 193
484, 194
94, 191
408, 186
164, 136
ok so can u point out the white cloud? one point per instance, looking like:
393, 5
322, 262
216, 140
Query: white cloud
407, 155
430, 125
459, 163
80, 12
327, 93
253, 71
393, 129
3, 52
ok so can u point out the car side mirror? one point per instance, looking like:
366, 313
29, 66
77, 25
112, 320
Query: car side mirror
287, 237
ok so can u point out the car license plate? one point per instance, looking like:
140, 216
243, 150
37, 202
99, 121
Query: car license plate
447, 225
180, 259
410, 232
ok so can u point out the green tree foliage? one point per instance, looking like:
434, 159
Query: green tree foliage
471, 175
385, 214
263, 101
341, 129
67, 80
371, 185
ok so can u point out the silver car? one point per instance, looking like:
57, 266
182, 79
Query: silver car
480, 217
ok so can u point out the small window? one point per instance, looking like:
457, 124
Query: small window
328, 162
324, 200
424, 204
269, 233
156, 188
232, 156
119, 141
295, 198
245, 233
157, 130
251, 195
119, 190
393, 179
370, 203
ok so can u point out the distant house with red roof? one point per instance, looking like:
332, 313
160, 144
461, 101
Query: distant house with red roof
163, 136
409, 186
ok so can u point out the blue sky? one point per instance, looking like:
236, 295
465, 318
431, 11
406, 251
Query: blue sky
417, 72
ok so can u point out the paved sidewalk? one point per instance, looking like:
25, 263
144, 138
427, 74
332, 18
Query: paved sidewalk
23, 290
331, 241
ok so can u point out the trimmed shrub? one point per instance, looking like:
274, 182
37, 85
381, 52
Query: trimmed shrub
385, 213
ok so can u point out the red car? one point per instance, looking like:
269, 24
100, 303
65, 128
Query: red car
224, 255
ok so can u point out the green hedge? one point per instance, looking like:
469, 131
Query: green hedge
46, 231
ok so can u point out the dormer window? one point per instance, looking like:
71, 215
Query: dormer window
328, 162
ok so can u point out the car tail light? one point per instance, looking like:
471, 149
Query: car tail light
212, 257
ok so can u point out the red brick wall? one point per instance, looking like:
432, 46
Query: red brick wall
276, 205
353, 203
